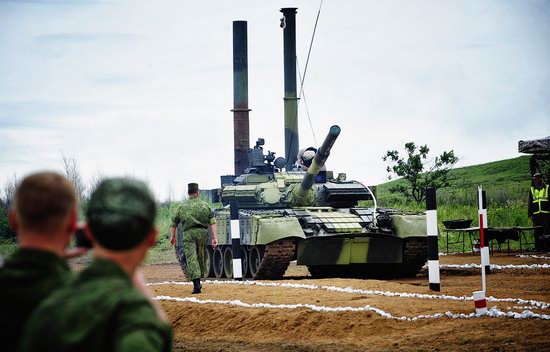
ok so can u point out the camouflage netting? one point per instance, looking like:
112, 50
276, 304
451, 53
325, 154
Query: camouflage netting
535, 146
540, 158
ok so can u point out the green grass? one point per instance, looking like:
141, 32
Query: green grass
509, 215
7, 247
504, 181
162, 252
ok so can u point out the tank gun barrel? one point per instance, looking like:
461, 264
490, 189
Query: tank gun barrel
318, 162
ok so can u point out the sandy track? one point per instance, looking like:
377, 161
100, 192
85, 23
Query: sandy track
224, 327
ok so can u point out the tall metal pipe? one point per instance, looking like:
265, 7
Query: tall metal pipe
292, 143
241, 130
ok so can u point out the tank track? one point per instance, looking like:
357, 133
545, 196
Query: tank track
275, 261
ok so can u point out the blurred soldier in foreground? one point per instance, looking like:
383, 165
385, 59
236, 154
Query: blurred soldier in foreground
196, 217
44, 216
539, 211
107, 306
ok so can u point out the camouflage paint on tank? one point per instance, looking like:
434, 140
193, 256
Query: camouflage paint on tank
409, 225
274, 229
354, 250
258, 229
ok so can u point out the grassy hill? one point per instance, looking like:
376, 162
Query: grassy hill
505, 182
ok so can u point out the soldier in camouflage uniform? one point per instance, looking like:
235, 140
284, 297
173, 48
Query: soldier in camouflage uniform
196, 217
44, 216
107, 306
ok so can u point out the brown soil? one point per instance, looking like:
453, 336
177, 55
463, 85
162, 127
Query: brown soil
220, 327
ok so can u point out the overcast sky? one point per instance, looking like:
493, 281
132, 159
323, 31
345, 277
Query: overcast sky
144, 88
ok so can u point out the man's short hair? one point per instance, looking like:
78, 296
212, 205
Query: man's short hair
121, 213
43, 201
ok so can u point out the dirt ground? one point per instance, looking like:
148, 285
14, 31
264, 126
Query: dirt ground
224, 326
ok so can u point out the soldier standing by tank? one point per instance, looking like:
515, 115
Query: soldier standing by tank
107, 306
44, 217
196, 217
539, 211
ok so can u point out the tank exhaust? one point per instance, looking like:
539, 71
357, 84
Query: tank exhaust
241, 130
292, 143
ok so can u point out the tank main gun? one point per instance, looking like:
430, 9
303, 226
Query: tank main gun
302, 195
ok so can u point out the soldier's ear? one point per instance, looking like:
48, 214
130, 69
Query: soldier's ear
12, 218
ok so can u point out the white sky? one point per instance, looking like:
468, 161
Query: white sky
144, 88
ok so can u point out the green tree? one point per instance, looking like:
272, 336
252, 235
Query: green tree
418, 171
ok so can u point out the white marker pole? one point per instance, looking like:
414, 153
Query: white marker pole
431, 232
236, 241
483, 245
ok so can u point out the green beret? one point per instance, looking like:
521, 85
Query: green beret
192, 187
121, 213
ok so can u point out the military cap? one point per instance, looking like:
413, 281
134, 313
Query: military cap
538, 174
192, 187
120, 213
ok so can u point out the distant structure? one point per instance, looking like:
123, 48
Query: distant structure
540, 156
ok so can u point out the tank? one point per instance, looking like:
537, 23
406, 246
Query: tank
313, 217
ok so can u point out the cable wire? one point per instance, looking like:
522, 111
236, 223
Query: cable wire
302, 93
302, 78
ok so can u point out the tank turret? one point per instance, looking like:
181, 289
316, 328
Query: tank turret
263, 185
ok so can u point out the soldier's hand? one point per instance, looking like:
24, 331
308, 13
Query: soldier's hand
173, 240
214, 243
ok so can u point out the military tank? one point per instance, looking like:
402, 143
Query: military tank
312, 216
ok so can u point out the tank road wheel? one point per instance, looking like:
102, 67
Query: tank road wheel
228, 262
244, 259
217, 263
255, 259
209, 261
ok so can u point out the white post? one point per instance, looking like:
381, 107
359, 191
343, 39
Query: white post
236, 241
432, 237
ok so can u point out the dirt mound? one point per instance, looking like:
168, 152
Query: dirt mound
302, 314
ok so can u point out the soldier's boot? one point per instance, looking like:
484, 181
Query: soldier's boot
196, 286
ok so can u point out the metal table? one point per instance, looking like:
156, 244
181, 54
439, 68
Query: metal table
499, 234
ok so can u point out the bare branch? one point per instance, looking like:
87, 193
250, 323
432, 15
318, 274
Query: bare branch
72, 172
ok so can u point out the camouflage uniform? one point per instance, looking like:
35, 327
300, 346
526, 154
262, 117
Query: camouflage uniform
180, 255
99, 311
26, 278
195, 216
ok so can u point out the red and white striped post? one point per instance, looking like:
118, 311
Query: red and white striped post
432, 233
480, 302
